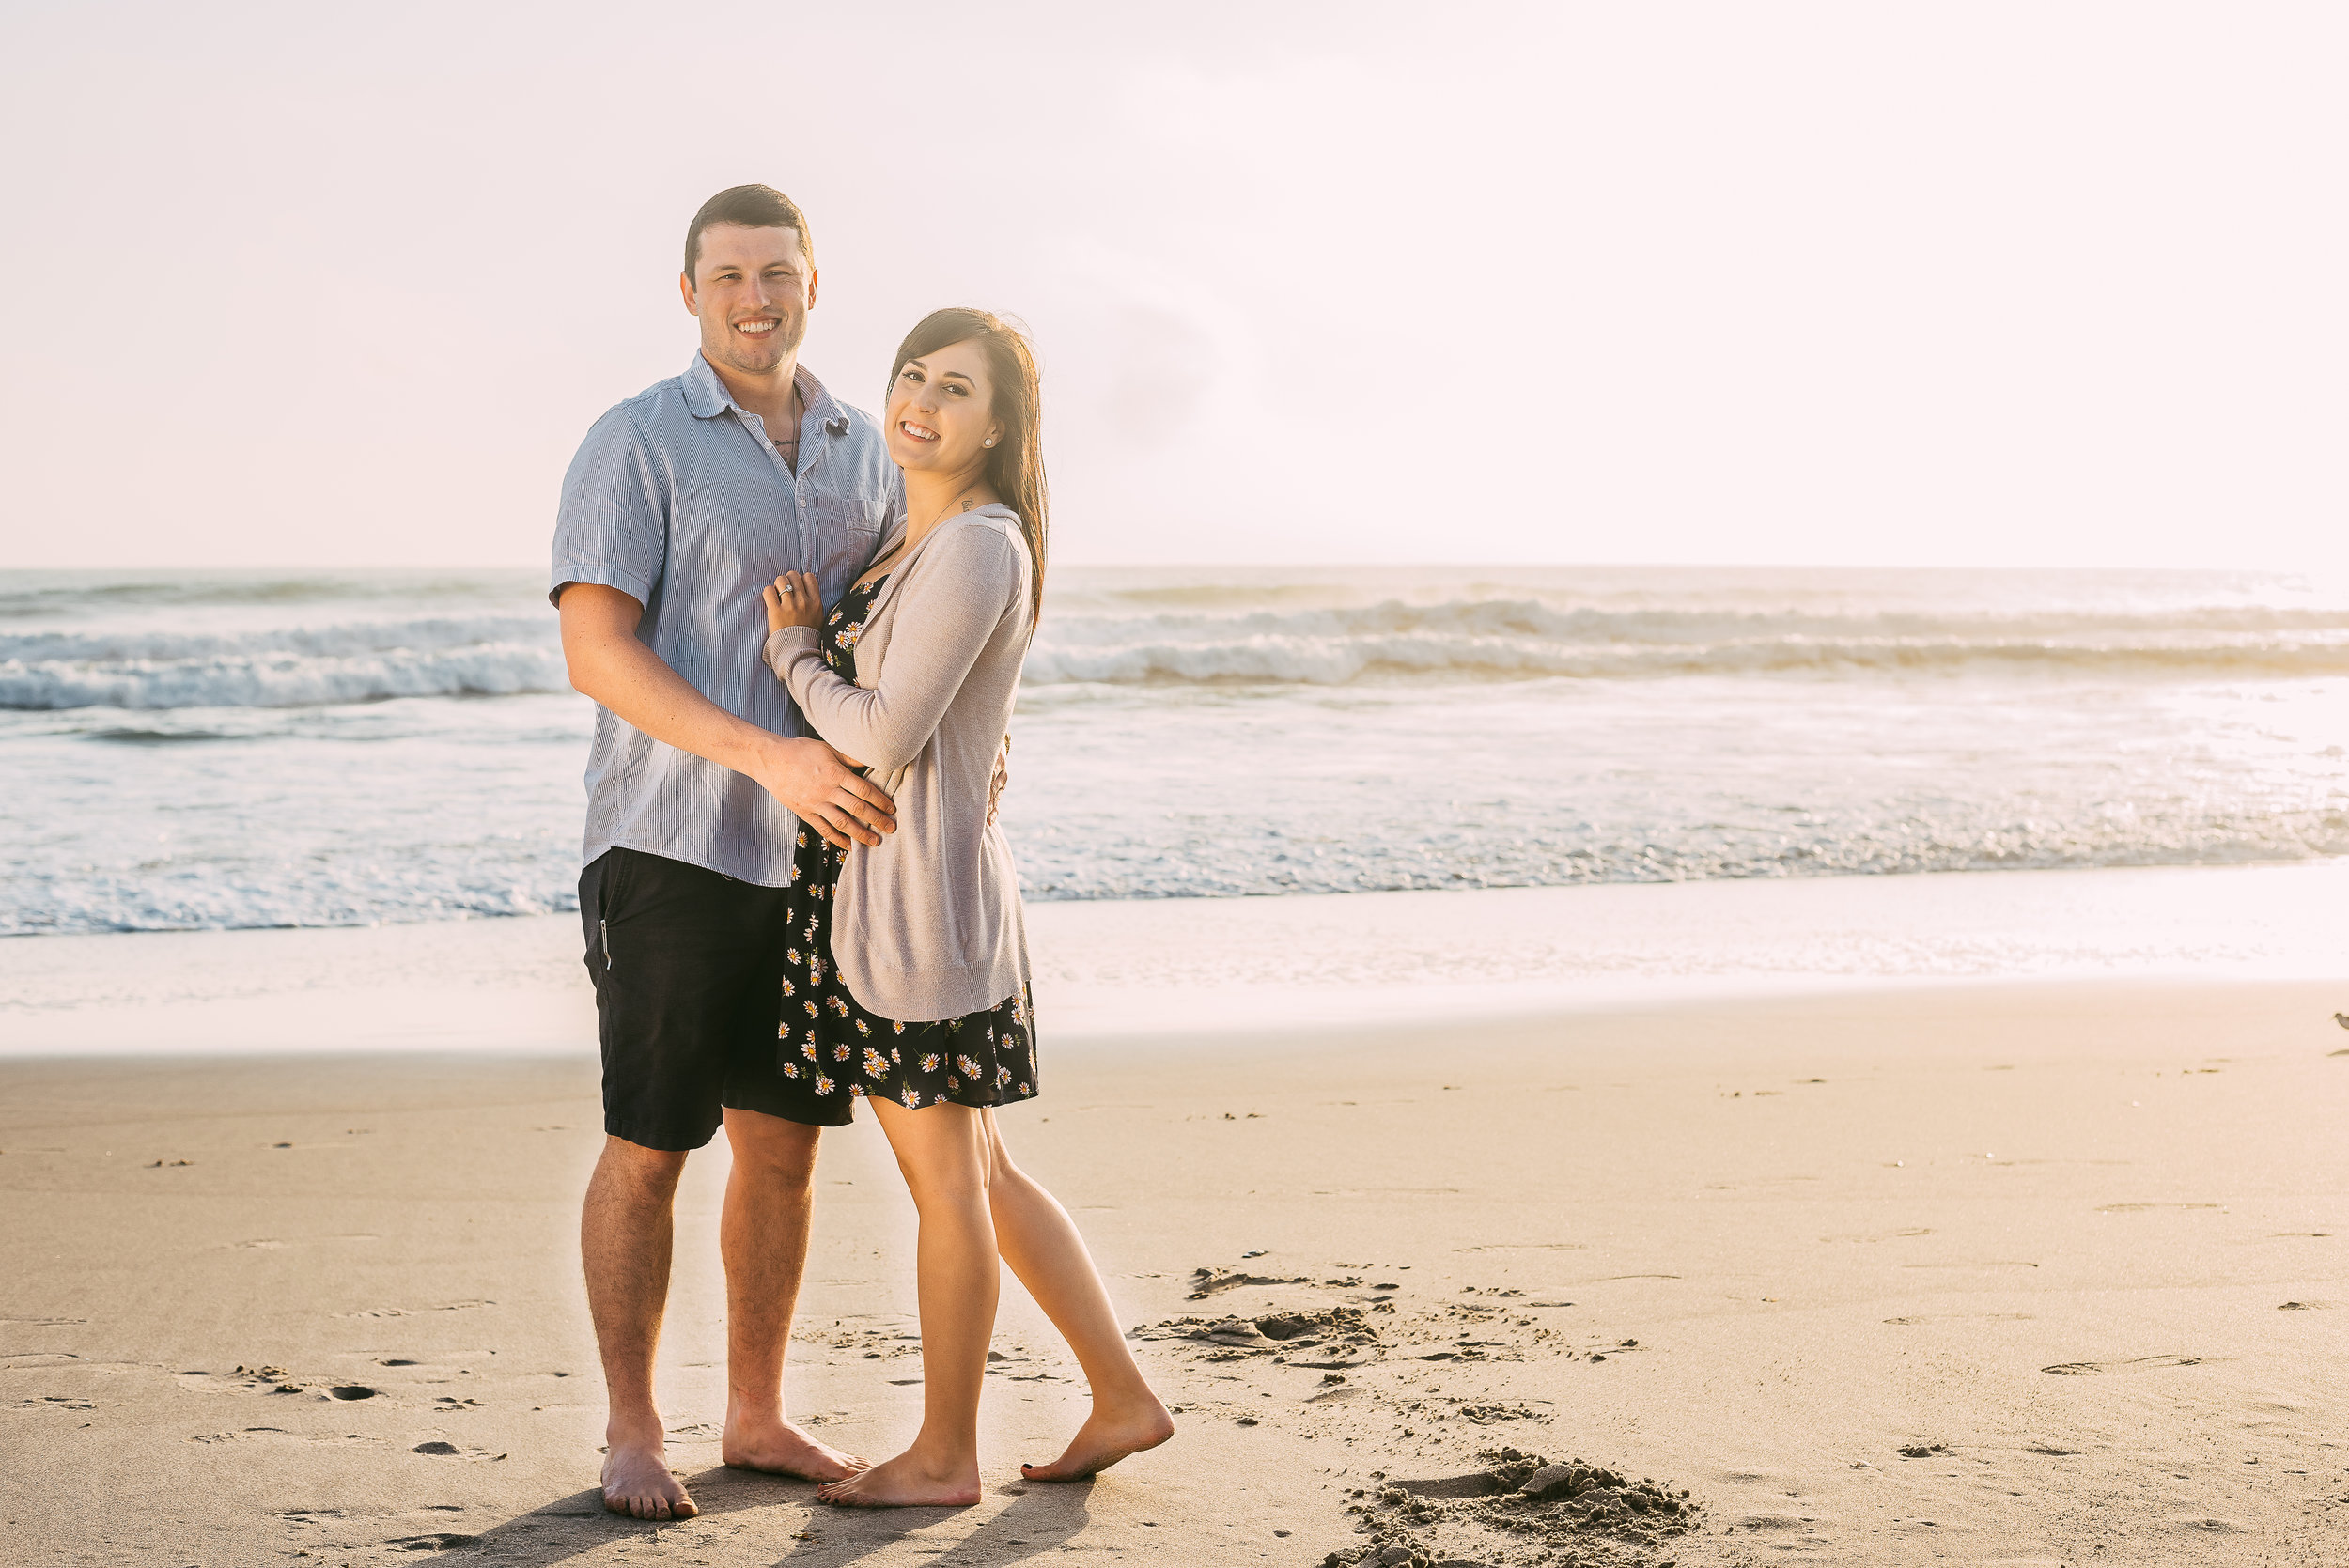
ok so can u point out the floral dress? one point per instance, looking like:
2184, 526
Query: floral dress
828, 1046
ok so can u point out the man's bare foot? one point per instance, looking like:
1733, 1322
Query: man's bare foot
637, 1483
1106, 1437
771, 1444
905, 1482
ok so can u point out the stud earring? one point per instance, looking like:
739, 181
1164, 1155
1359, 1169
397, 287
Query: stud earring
990, 442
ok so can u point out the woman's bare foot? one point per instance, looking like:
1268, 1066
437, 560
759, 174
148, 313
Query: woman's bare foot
909, 1481
637, 1483
1106, 1437
771, 1444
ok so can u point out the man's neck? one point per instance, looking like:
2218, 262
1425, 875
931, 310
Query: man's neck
768, 395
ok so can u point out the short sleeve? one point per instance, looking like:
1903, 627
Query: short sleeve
613, 526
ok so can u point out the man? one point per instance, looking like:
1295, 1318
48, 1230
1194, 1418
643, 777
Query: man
682, 502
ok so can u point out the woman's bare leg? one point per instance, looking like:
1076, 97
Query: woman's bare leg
944, 1151
1041, 1242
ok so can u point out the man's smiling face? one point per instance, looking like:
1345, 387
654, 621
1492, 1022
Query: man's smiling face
751, 289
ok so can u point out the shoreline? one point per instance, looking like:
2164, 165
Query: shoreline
1164, 967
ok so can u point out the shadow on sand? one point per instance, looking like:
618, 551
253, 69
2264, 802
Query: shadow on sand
1014, 1523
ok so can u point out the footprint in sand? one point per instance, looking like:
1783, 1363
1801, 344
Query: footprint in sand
1208, 1281
259, 1379
2139, 1363
441, 1448
278, 1434
1526, 1246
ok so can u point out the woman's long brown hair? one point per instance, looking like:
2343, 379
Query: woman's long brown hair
1015, 467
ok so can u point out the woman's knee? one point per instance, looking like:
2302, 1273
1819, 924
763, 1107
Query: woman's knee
944, 1181
942, 1160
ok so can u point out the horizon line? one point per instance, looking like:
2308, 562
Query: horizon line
2304, 569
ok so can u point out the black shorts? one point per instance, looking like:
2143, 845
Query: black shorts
687, 964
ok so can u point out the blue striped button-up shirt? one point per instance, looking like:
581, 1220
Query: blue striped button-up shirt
677, 498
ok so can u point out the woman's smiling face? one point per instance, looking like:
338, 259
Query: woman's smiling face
941, 411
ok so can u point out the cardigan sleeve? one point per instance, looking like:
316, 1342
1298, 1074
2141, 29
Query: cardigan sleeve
947, 614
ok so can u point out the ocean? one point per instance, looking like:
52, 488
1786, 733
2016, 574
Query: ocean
203, 750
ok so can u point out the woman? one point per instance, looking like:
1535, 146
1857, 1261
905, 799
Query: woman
911, 987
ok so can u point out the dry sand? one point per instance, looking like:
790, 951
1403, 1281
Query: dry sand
2009, 1274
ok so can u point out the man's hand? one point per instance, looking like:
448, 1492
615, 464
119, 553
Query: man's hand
824, 792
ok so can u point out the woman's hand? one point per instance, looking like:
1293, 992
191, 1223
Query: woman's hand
794, 601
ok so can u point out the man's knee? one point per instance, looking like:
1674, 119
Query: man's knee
633, 1165
772, 1150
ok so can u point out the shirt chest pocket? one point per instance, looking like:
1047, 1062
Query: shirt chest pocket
847, 516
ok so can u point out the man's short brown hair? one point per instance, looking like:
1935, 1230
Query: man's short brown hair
753, 207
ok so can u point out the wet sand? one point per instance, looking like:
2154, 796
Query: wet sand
2023, 1273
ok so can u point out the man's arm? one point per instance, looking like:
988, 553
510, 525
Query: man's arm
610, 663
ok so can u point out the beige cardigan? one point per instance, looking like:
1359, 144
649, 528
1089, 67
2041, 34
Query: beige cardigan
928, 925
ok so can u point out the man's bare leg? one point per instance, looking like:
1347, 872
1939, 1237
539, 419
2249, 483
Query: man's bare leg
625, 1234
763, 1236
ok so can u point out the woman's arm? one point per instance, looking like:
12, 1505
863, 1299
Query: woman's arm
945, 618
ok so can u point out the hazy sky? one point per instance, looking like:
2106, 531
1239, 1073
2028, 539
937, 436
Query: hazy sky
1872, 283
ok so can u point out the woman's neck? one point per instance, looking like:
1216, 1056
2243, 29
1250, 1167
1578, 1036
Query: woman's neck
932, 498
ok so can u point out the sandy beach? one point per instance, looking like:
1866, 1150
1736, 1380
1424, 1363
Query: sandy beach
1998, 1272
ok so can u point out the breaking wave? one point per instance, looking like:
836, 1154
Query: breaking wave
1503, 640
157, 652
282, 667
